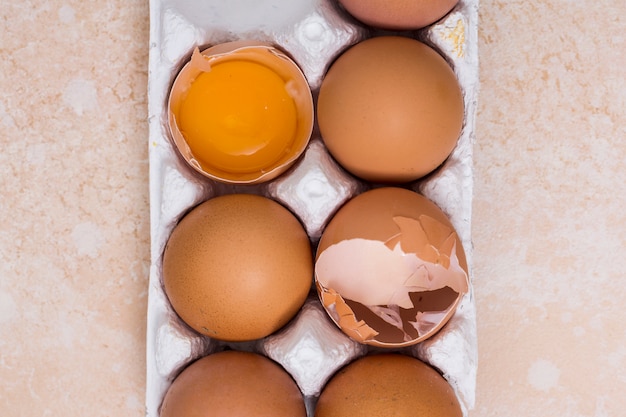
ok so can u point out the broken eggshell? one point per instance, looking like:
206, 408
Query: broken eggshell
390, 268
227, 171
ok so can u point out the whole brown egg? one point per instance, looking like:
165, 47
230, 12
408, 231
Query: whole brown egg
232, 383
390, 109
388, 385
237, 267
398, 14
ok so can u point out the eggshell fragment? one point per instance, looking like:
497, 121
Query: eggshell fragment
390, 269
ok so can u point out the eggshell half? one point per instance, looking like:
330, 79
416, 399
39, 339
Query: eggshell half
268, 56
390, 269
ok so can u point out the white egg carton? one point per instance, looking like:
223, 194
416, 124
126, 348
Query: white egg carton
311, 348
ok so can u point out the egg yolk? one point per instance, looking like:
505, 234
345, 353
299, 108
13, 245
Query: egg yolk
238, 117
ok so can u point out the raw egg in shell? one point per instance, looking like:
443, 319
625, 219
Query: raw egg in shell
240, 112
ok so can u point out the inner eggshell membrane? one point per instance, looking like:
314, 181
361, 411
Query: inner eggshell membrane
394, 291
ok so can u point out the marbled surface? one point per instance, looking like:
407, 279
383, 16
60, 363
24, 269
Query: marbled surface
549, 221
549, 209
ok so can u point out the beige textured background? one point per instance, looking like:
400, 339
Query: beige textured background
549, 221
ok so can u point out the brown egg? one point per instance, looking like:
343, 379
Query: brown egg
237, 267
390, 109
398, 14
232, 383
390, 269
388, 385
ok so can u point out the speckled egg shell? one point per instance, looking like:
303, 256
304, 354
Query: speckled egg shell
390, 109
237, 267
233, 383
388, 385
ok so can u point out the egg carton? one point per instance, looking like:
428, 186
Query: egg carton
314, 32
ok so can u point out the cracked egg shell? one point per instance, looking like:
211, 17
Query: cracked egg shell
388, 385
240, 112
233, 383
390, 269
237, 267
